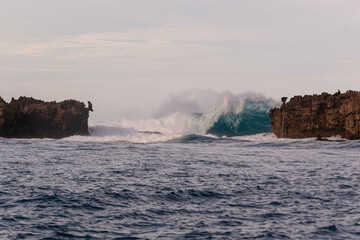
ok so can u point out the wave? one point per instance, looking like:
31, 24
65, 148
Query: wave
189, 138
223, 115
252, 120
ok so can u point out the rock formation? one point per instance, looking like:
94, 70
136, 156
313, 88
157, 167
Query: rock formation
318, 116
31, 118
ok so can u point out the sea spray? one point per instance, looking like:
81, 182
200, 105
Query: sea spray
194, 113
253, 119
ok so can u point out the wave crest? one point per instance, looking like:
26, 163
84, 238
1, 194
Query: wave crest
215, 114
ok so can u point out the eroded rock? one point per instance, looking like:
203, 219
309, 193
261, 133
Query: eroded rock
32, 118
318, 116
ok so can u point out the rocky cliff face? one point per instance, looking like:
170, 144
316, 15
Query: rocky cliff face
322, 115
31, 118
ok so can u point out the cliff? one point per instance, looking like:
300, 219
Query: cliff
31, 118
319, 116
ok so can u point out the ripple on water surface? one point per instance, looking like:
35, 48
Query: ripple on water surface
205, 189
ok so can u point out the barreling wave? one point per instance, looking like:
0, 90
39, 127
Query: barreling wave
186, 118
252, 120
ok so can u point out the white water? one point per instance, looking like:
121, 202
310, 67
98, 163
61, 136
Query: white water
175, 118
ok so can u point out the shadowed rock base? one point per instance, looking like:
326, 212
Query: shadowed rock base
31, 118
318, 116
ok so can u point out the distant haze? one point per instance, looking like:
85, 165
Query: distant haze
130, 57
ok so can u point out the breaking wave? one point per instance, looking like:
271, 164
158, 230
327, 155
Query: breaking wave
192, 116
253, 119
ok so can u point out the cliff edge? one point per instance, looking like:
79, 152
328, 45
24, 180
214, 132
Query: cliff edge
32, 118
319, 116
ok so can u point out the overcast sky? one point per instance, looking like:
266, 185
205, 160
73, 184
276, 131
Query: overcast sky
128, 56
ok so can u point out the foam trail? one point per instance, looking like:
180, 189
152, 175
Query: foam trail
101, 133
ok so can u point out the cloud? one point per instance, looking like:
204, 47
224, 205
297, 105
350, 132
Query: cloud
155, 35
48, 68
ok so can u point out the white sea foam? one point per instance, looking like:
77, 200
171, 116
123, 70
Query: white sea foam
337, 138
257, 137
270, 137
192, 112
134, 138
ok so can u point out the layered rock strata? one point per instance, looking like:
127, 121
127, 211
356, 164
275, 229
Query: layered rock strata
32, 118
318, 116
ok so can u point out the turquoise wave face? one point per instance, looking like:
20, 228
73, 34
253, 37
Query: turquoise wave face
253, 119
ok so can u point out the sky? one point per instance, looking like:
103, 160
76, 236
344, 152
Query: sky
128, 56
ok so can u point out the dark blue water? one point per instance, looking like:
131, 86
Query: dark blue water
192, 189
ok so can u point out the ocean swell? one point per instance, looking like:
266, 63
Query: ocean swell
253, 119
186, 118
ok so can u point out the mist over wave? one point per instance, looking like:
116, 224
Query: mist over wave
194, 113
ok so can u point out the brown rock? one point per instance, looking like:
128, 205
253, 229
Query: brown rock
318, 116
31, 118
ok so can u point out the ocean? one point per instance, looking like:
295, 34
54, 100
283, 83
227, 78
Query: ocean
180, 180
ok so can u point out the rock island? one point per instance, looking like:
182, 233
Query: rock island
31, 118
318, 116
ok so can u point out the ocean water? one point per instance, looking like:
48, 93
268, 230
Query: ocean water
192, 172
192, 187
